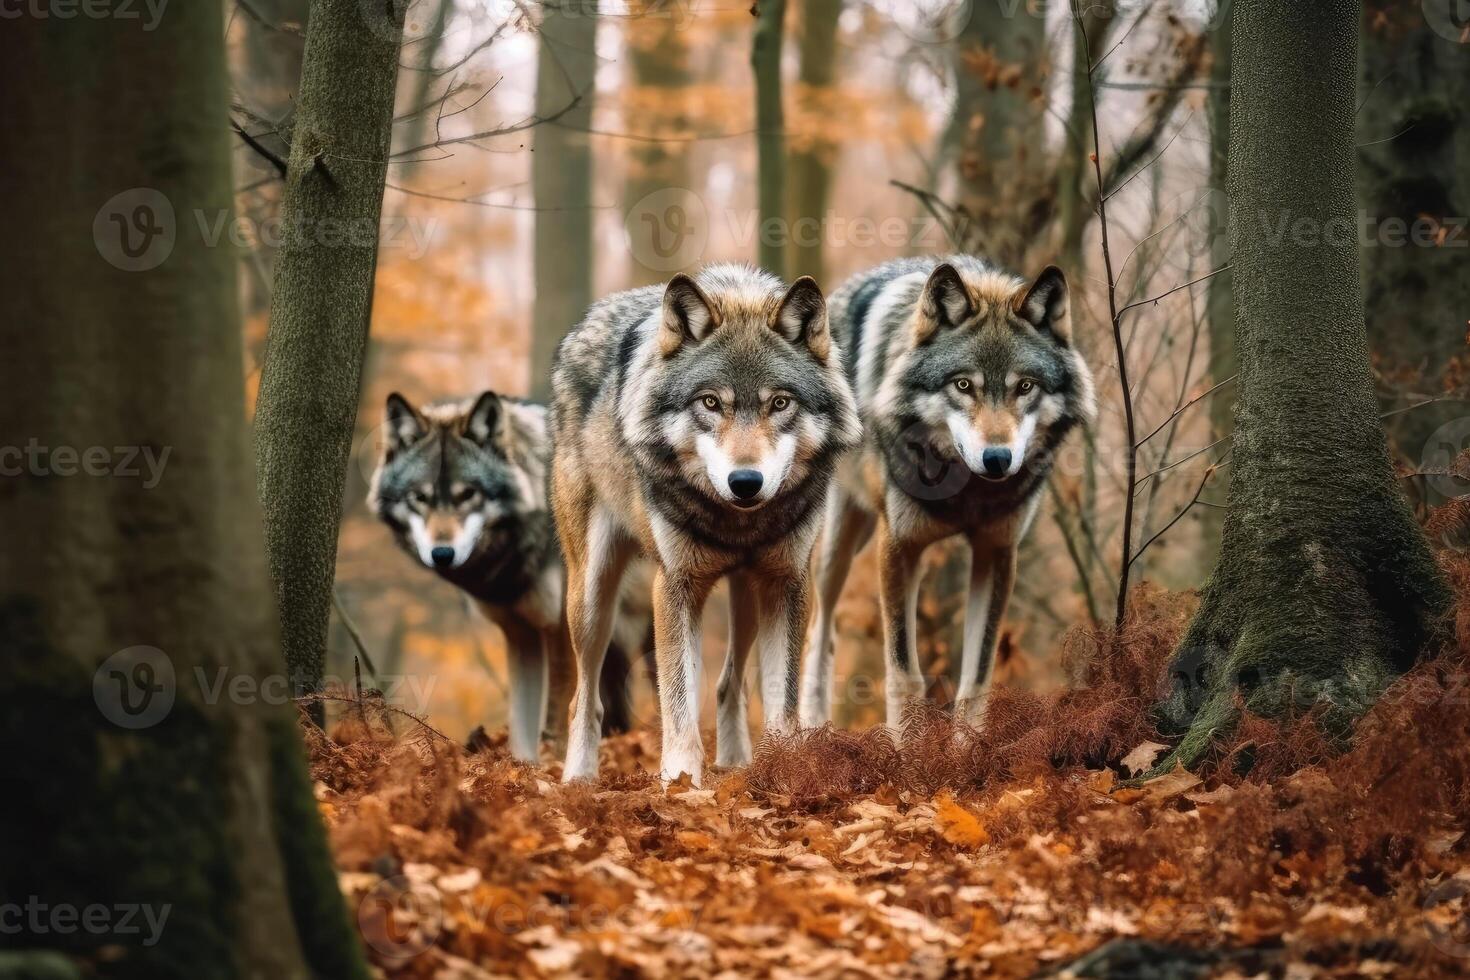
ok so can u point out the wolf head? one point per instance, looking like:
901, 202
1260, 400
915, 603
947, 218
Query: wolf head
747, 398
991, 370
446, 479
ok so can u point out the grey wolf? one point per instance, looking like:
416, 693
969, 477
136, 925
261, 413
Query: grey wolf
967, 380
462, 486
697, 424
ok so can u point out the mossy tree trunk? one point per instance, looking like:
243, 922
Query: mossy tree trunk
128, 335
765, 62
561, 179
812, 158
1325, 587
320, 307
1413, 148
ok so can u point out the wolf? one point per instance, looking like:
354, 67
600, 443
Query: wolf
967, 381
462, 485
698, 424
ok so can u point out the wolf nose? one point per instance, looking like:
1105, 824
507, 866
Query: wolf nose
443, 557
996, 461
746, 483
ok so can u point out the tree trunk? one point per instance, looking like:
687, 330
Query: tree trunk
1413, 144
1075, 165
765, 60
996, 131
320, 308
561, 180
133, 579
1325, 587
1220, 295
658, 56
811, 159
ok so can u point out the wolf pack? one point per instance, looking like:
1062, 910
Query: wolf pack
727, 425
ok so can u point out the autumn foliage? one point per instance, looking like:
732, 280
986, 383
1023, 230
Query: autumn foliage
1009, 850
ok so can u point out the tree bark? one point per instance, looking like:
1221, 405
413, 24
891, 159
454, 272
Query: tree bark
130, 337
320, 308
996, 131
765, 61
658, 56
811, 159
1220, 291
1413, 144
561, 180
1325, 587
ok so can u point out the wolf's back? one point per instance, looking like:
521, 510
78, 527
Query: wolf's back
593, 355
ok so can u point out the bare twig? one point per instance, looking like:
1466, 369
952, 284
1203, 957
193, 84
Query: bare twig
353, 632
1132, 450
262, 150
1171, 292
1185, 407
1209, 472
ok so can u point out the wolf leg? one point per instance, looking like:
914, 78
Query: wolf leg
898, 586
592, 602
527, 668
561, 679
992, 574
677, 601
782, 606
732, 741
847, 529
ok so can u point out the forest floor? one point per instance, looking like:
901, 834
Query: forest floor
1013, 851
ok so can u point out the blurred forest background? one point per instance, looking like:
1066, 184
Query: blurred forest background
546, 154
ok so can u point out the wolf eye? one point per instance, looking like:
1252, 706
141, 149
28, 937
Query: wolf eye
1025, 387
417, 497
711, 403
465, 496
780, 403
961, 384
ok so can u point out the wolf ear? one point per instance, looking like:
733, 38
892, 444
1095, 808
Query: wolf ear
688, 315
402, 423
484, 419
802, 318
1044, 305
944, 303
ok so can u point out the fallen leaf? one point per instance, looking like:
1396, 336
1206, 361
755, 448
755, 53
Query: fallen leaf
958, 825
1142, 758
